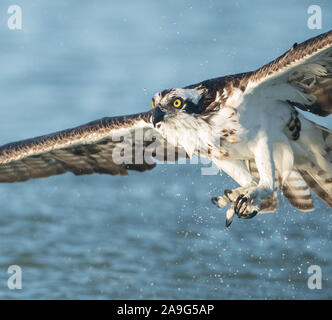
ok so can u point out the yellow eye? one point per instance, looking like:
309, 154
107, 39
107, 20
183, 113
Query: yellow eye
153, 105
177, 103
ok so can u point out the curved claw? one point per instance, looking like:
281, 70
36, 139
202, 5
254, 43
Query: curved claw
227, 192
248, 215
214, 200
228, 222
240, 201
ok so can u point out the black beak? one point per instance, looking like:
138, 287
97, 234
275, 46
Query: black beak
157, 116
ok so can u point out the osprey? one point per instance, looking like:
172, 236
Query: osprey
247, 124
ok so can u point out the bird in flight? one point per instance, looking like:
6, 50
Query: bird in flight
247, 124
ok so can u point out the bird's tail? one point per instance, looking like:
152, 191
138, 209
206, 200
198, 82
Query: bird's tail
294, 188
312, 170
313, 159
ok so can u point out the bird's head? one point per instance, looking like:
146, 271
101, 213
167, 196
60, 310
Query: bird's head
170, 103
182, 116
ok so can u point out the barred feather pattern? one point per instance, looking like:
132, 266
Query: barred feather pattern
297, 192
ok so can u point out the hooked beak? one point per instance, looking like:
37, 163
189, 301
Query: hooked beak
157, 116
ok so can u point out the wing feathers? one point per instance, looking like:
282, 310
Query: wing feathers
307, 69
301, 76
298, 55
89, 133
107, 146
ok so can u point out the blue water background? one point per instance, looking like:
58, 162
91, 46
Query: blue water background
154, 235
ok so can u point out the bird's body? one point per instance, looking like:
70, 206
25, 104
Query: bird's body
247, 124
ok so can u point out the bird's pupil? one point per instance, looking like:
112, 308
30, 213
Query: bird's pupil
177, 102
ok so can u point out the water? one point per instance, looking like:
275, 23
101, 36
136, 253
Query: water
153, 235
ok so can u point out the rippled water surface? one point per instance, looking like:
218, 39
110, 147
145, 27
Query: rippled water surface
152, 235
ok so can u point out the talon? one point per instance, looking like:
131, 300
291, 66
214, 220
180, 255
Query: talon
238, 204
244, 200
228, 222
248, 215
227, 192
229, 216
236, 210
214, 200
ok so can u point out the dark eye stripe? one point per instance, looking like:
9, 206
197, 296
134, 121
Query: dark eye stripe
191, 108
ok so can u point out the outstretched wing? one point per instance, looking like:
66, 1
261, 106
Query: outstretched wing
109, 145
303, 74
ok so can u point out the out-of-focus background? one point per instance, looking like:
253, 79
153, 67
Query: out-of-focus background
151, 235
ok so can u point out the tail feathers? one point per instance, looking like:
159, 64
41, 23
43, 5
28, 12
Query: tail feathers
327, 137
297, 192
319, 181
312, 170
270, 204
295, 189
317, 171
303, 177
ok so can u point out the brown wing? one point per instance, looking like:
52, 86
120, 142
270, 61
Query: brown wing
109, 145
307, 67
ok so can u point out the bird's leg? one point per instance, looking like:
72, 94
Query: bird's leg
237, 170
247, 203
